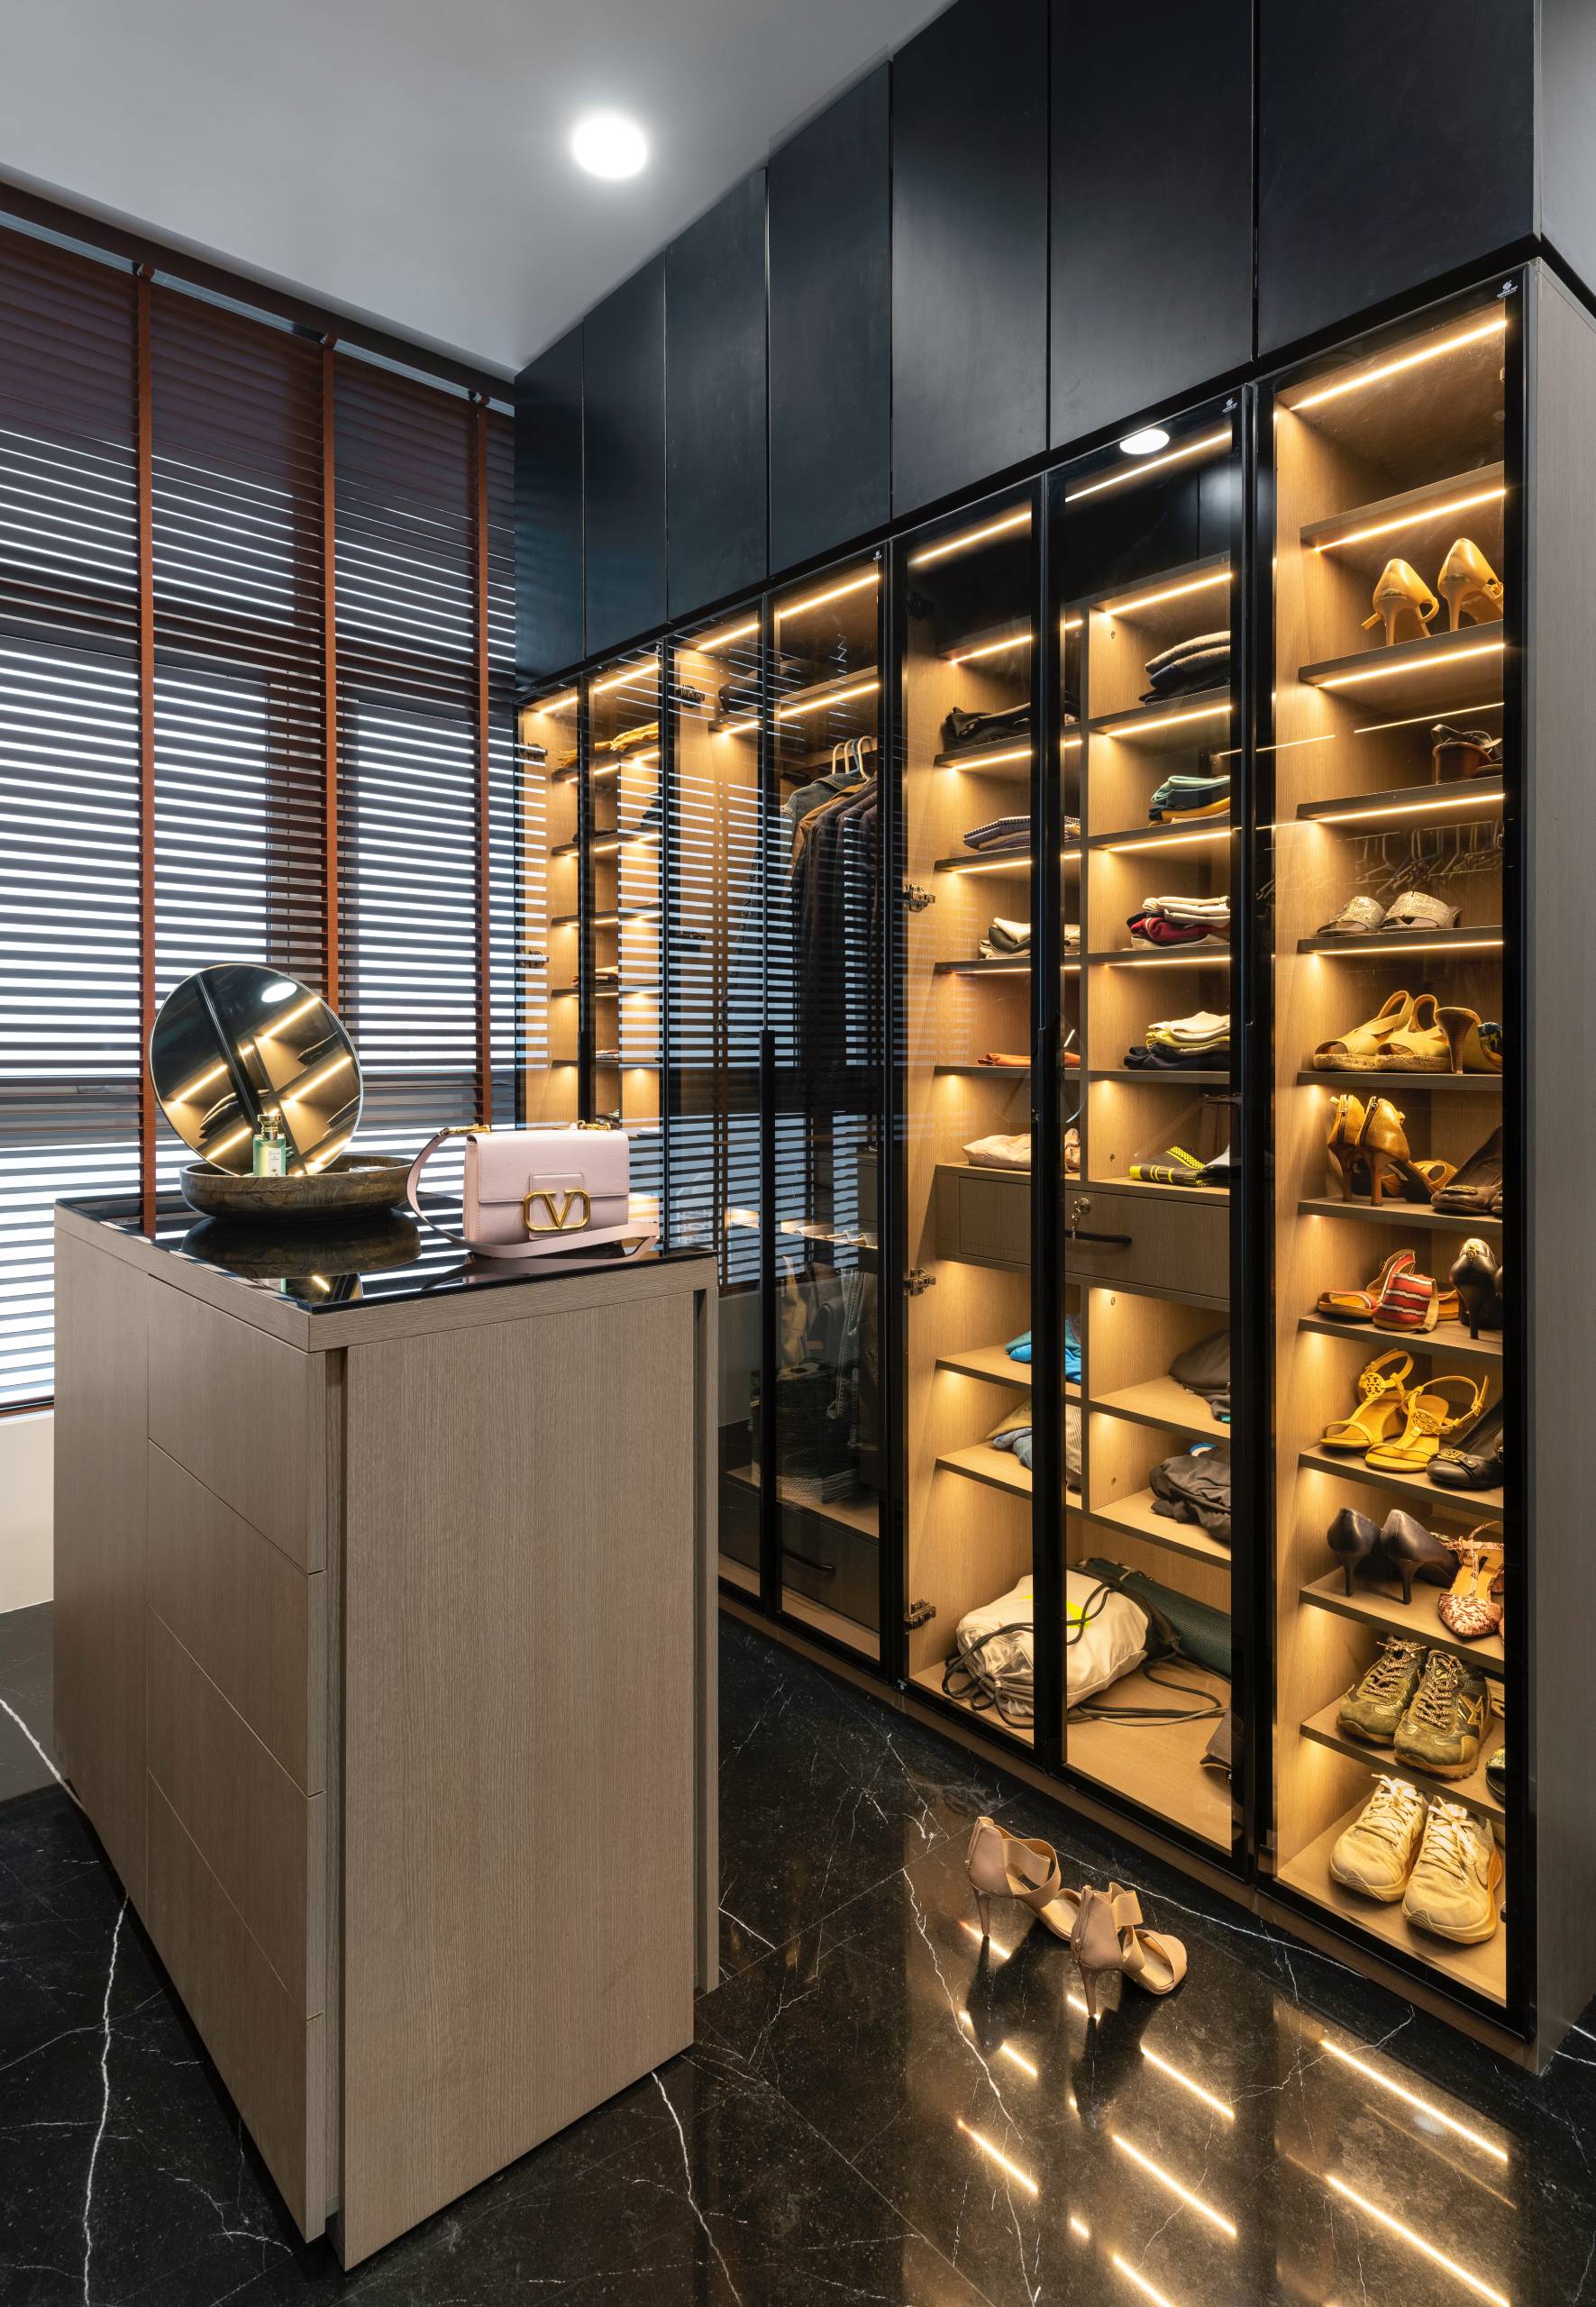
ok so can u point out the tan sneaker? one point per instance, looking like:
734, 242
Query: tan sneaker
1452, 1891
1446, 1725
1375, 1856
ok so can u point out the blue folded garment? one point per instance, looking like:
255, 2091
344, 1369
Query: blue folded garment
1016, 1438
1071, 1351
1018, 1349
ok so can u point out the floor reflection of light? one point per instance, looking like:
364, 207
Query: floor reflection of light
1024, 2064
1075, 2003
1186, 2084
999, 1954
1411, 2099
1023, 2178
1141, 2282
1167, 2179
1417, 2242
1079, 2227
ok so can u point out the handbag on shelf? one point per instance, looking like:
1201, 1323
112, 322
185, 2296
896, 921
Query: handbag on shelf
530, 1193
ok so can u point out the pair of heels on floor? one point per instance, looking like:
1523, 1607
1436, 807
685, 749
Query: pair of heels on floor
1103, 1929
1398, 1429
1468, 582
1373, 1158
1414, 1032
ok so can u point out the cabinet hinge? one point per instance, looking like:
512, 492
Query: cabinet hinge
915, 899
918, 1280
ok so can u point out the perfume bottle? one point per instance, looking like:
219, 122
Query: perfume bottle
269, 1152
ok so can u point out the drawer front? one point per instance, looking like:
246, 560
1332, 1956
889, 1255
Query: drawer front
830, 1563
1183, 1245
985, 1215
248, 1616
271, 2058
260, 1837
246, 1415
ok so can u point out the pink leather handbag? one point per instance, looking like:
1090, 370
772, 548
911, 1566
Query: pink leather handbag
530, 1192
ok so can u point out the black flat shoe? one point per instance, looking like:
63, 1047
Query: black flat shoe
1477, 1462
1476, 1191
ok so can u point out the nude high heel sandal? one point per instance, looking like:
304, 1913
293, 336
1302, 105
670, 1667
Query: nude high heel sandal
1402, 592
1008, 1866
1108, 1937
1468, 581
1392, 1172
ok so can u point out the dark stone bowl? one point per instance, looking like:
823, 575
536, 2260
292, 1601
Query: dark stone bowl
352, 1182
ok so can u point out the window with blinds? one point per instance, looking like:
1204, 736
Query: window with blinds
256, 699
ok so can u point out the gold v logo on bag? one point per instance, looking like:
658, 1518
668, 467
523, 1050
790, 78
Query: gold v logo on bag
565, 1213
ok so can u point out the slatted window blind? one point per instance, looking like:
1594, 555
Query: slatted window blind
256, 699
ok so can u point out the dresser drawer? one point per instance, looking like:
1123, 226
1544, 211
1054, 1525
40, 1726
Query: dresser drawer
1159, 1241
983, 1215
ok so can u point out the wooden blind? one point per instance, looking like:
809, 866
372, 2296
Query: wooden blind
256, 699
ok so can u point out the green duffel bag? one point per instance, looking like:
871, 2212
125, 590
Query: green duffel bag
1202, 1633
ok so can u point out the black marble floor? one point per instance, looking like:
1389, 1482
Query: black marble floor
873, 2110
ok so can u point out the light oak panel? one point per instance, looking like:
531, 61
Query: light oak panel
522, 1600
246, 1613
101, 1363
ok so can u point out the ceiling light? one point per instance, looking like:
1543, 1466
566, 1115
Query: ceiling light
608, 144
1147, 442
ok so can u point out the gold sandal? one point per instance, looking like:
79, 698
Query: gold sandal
1427, 1419
1382, 1399
1360, 1050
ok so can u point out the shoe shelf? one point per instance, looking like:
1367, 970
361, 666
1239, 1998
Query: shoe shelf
1483, 940
1483, 1967
1201, 584
1408, 804
1474, 1789
1348, 1467
1134, 1517
1419, 524
1447, 1342
1176, 726
1172, 1076
1158, 1765
1469, 1085
1382, 1609
1164, 1402
1000, 1469
1442, 672
1413, 1214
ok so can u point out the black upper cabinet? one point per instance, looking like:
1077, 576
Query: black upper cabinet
1396, 143
624, 460
1151, 206
969, 248
831, 381
1568, 149
549, 510
715, 402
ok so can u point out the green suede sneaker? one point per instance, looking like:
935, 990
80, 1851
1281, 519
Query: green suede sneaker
1443, 1729
1372, 1707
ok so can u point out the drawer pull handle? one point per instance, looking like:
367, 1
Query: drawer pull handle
1079, 1208
811, 1561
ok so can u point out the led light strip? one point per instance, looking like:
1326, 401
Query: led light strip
968, 537
1408, 520
833, 592
1490, 327
1144, 465
1443, 660
1021, 639
1168, 721
1412, 720
638, 672
1352, 945
1482, 799
991, 760
819, 704
1420, 2106
1167, 841
1170, 593
709, 643
560, 704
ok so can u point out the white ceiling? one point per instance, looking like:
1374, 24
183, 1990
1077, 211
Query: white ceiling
404, 160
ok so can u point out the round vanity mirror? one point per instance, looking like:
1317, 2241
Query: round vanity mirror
238, 1044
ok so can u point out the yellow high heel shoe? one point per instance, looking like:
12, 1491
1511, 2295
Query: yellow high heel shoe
1402, 591
1468, 581
1430, 1414
1382, 1398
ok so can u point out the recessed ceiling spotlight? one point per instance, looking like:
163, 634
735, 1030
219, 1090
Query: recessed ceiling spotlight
1144, 444
608, 144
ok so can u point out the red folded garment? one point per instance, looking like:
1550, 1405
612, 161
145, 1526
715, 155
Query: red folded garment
1156, 931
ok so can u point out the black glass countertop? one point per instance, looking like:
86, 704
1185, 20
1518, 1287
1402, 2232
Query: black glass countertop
370, 1259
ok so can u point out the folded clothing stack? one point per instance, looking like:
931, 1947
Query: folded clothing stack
985, 728
1073, 1151
1194, 1486
1013, 1434
1205, 1369
1181, 921
1207, 795
1198, 1043
999, 836
1201, 663
1006, 940
1001, 1152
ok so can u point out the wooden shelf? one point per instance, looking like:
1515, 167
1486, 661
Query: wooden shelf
1448, 1341
1382, 1609
998, 1469
1141, 957
1172, 727
1346, 1467
1190, 833
1423, 512
1476, 1085
996, 639
1405, 804
1164, 1402
1134, 1517
1018, 967
1414, 1214
992, 1362
1440, 674
989, 1073
1483, 1968
1162, 580
860, 1514
1474, 1789
929, 1678
1157, 1192
1486, 939
1010, 756
1173, 1075
1158, 1765
976, 861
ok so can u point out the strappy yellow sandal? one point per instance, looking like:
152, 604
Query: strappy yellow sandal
1429, 1417
1382, 1399
1361, 1049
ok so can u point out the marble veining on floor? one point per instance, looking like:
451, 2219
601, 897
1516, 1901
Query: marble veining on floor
876, 2108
